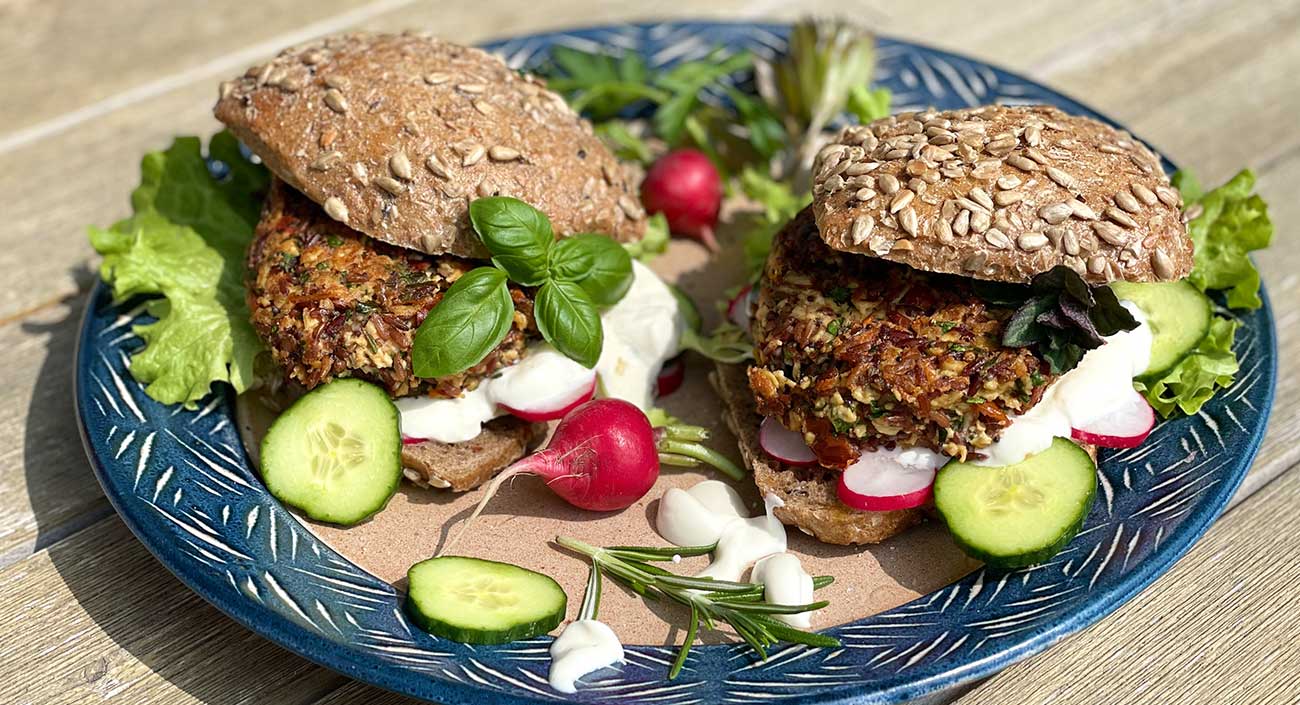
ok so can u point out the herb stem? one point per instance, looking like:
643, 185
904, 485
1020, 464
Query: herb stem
691, 628
591, 599
703, 454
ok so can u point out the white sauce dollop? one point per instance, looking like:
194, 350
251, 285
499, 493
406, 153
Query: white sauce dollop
642, 331
584, 646
785, 582
696, 517
744, 541
1101, 381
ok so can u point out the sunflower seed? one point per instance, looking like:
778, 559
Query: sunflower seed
506, 154
997, 239
1054, 234
880, 243
1037, 156
1009, 181
400, 166
970, 205
1143, 194
1022, 162
1033, 135
1161, 264
986, 170
903, 246
1096, 264
326, 160
860, 168
473, 156
952, 172
1082, 210
897, 153
1128, 202
982, 197
483, 107
1193, 212
1111, 149
864, 194
975, 262
389, 184
980, 221
226, 89
1055, 213
1121, 217
948, 210
630, 207
900, 200
1168, 196
1070, 243
1006, 198
888, 184
945, 232
436, 165
485, 189
335, 100
471, 88
436, 78
1002, 145
360, 172
1109, 233
961, 225
1062, 179
1029, 242
907, 220
833, 184
264, 74
862, 227
943, 138
313, 57
335, 209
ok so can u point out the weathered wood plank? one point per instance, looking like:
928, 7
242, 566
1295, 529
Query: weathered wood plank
96, 618
1218, 628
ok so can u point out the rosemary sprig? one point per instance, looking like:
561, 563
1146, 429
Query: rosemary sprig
710, 601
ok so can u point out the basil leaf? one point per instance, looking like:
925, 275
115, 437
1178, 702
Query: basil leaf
568, 319
602, 267
472, 318
1109, 316
517, 235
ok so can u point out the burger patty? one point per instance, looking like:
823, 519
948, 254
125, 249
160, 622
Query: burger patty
859, 353
330, 302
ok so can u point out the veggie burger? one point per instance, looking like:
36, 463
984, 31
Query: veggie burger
378, 144
968, 289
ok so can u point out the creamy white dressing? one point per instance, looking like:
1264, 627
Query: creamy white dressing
642, 331
584, 646
1101, 381
785, 582
744, 541
696, 517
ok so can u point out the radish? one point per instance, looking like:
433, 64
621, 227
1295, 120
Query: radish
887, 480
409, 441
785, 445
556, 408
740, 307
1125, 427
605, 455
686, 188
671, 376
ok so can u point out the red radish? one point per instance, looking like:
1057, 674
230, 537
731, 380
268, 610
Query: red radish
555, 408
671, 376
878, 482
604, 456
1125, 427
686, 188
785, 445
740, 307
409, 441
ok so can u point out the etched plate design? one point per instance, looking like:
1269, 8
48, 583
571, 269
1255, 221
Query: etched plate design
181, 481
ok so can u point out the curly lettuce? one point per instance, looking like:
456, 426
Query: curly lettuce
1233, 221
184, 246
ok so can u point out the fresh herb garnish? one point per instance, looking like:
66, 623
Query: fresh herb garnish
710, 601
946, 326
1060, 315
575, 275
653, 242
833, 328
839, 295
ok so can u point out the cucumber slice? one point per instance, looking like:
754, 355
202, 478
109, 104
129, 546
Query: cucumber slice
1179, 317
476, 601
336, 453
1018, 515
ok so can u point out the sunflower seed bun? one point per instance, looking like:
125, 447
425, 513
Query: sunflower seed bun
395, 134
1002, 193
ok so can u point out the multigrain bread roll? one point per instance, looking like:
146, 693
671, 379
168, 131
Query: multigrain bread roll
394, 135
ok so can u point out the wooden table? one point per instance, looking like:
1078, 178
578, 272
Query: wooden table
87, 615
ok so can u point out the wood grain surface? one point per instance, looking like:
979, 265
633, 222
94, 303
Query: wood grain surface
87, 615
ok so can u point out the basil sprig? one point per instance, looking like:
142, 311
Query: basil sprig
575, 276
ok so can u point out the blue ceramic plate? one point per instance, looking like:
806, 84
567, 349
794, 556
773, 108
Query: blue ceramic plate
181, 481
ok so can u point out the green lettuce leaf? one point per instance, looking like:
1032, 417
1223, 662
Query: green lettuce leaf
1233, 222
185, 244
1192, 382
780, 203
653, 242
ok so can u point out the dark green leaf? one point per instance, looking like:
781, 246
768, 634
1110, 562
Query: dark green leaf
472, 318
1109, 316
602, 267
568, 319
517, 235
1021, 329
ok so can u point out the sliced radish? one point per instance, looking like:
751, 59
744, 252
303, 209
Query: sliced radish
738, 309
408, 441
887, 480
1125, 427
784, 445
555, 407
671, 376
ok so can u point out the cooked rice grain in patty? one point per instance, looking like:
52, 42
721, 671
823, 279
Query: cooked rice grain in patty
330, 302
859, 353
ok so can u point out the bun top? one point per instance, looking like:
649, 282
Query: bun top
1001, 193
396, 134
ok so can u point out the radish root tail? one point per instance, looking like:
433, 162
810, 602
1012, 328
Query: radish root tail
523, 467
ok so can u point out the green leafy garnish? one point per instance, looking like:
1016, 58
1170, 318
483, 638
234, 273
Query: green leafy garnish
576, 275
780, 203
710, 601
1233, 222
601, 85
727, 343
869, 104
185, 244
623, 143
653, 242
472, 318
